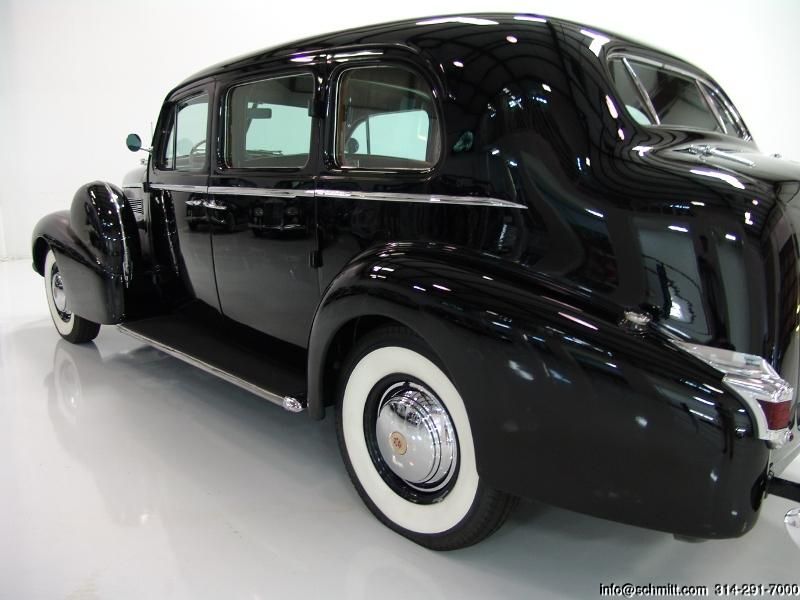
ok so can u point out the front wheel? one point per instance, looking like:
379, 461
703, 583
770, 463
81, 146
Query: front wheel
70, 326
406, 441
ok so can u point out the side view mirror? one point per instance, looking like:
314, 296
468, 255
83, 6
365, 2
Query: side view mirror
134, 143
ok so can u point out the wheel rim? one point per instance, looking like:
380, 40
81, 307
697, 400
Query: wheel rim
58, 294
412, 440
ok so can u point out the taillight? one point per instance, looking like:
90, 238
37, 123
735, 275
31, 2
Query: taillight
769, 397
778, 414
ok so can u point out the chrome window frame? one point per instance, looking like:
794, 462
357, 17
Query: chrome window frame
225, 129
628, 57
705, 86
333, 144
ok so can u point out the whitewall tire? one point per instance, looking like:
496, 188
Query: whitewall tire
70, 326
406, 440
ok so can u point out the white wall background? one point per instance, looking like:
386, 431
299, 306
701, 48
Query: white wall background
76, 77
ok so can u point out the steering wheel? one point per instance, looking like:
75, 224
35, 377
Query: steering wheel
196, 148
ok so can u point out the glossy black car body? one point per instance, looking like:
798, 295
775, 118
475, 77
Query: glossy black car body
546, 216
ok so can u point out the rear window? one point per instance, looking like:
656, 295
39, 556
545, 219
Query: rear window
630, 96
728, 117
654, 95
677, 100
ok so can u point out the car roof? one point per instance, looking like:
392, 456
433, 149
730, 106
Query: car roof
426, 35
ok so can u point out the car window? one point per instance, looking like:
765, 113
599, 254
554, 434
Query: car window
402, 134
628, 94
386, 119
676, 98
269, 124
186, 146
725, 112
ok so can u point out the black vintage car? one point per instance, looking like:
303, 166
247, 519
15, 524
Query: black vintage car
532, 259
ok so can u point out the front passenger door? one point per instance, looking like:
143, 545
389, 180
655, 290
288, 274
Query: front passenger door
178, 183
262, 207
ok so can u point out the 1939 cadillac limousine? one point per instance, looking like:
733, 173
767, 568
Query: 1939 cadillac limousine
519, 256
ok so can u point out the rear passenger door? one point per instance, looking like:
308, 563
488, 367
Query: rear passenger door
261, 202
384, 142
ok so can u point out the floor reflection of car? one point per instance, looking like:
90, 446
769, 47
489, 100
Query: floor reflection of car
220, 215
277, 215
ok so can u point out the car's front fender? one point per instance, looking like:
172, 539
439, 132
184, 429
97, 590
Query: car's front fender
96, 244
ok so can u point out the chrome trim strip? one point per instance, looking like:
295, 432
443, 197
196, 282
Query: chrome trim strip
127, 266
178, 187
287, 402
421, 198
222, 190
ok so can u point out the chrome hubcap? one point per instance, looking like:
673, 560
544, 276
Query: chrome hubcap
59, 296
416, 437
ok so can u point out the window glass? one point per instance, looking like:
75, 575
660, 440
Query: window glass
269, 124
677, 99
402, 134
188, 138
386, 119
628, 94
185, 148
725, 113
168, 158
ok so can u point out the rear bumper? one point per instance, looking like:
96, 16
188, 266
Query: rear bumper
784, 488
786, 457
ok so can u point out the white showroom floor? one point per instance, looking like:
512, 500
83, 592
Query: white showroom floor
127, 474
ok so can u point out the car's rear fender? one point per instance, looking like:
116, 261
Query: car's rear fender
565, 405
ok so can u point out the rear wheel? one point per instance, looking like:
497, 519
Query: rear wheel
70, 326
406, 441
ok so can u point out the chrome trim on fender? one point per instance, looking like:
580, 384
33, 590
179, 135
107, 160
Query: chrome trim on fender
221, 190
287, 402
127, 265
421, 198
177, 187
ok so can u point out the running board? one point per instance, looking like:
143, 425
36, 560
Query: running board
256, 363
